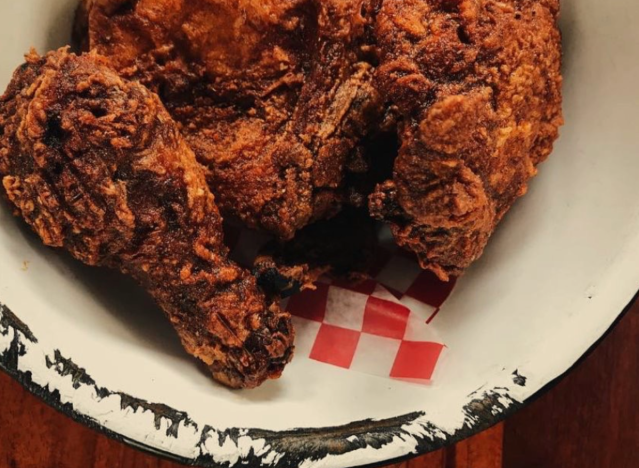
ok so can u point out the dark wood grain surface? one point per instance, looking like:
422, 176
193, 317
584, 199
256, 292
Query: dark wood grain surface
590, 420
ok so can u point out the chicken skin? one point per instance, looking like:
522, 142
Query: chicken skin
273, 96
95, 165
477, 88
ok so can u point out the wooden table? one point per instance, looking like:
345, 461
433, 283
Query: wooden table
590, 420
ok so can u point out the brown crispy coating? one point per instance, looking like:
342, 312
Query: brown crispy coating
477, 85
96, 166
273, 96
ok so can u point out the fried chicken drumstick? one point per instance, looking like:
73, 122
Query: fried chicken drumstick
477, 85
96, 166
273, 96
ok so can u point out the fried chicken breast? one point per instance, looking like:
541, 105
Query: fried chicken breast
273, 96
96, 166
477, 86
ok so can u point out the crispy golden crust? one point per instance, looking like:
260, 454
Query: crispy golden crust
96, 166
273, 96
477, 84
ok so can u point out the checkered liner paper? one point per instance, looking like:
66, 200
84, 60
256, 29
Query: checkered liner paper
381, 327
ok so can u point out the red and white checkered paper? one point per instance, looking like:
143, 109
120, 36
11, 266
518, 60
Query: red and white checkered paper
381, 327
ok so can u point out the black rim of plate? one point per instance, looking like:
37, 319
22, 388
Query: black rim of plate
480, 412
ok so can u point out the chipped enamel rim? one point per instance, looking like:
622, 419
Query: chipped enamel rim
335, 446
599, 277
59, 375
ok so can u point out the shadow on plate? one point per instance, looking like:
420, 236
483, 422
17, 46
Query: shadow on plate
115, 293
59, 33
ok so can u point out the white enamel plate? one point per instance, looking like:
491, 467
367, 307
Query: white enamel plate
556, 276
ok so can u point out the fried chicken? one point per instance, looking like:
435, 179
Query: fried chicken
96, 166
477, 86
273, 96
277, 98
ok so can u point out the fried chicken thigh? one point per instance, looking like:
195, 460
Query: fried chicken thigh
96, 166
477, 86
273, 96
